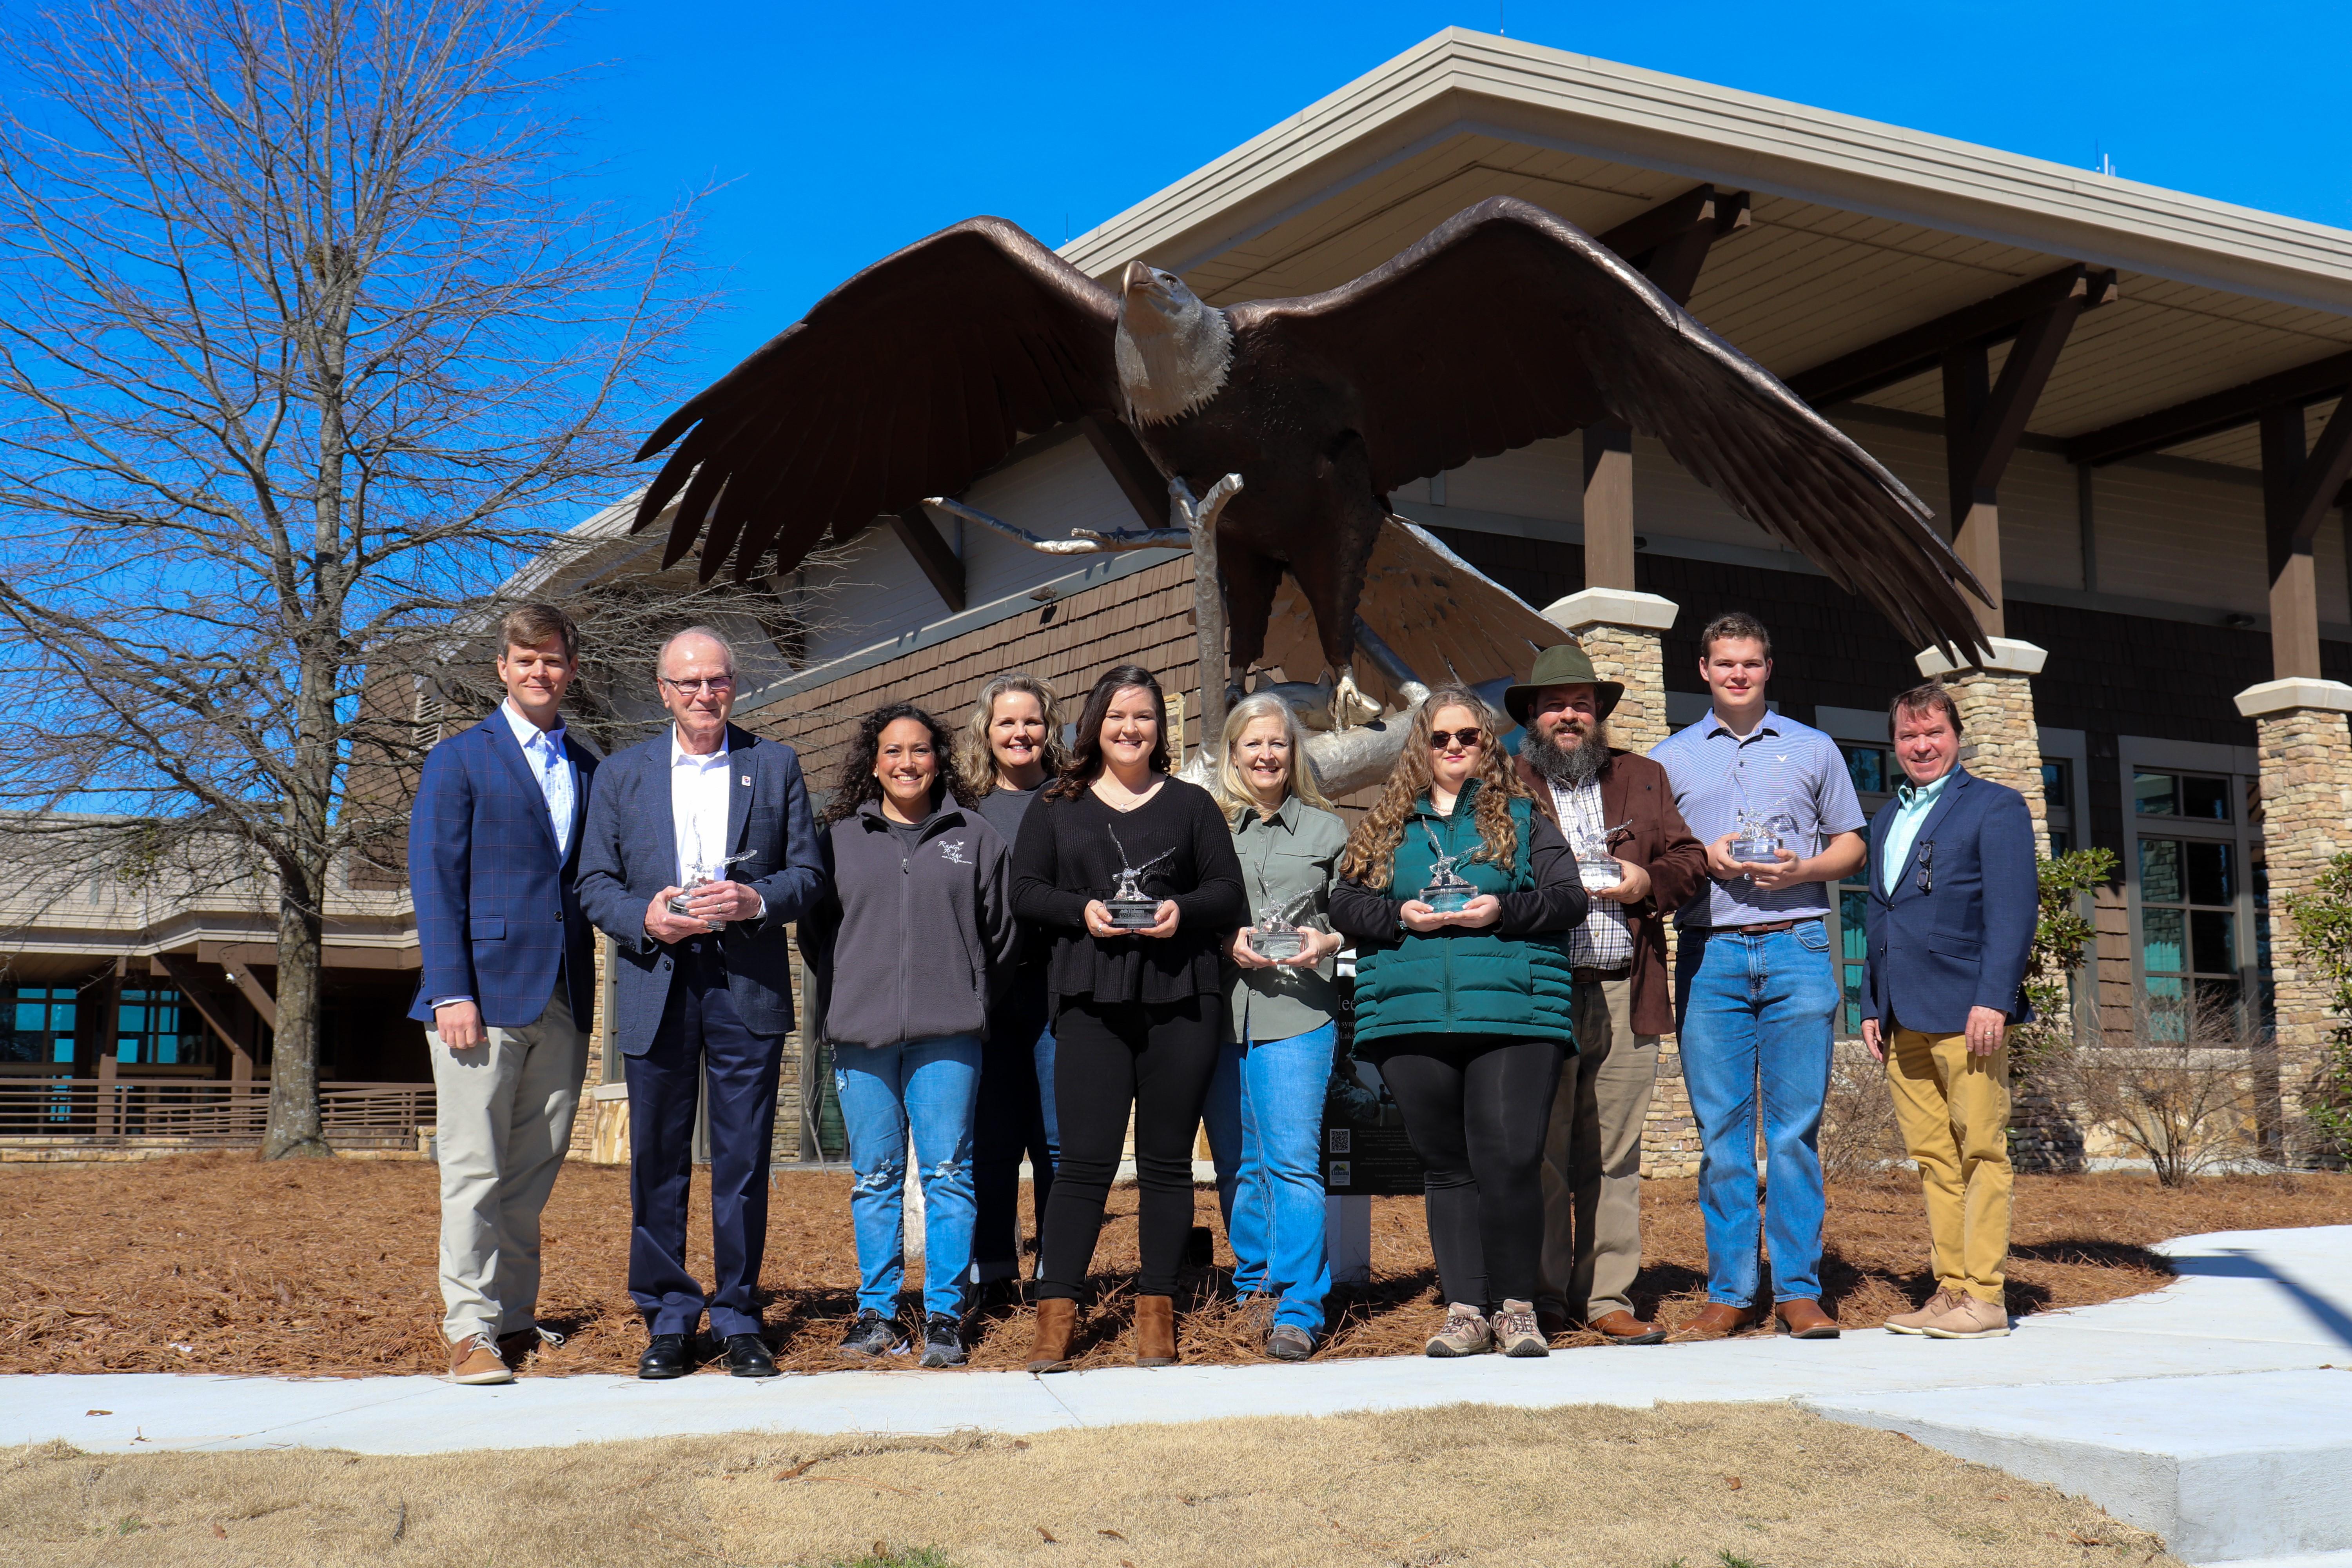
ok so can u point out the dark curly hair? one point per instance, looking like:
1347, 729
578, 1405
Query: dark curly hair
1085, 760
858, 784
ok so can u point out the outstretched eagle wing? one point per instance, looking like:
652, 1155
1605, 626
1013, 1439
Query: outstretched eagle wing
1507, 325
906, 381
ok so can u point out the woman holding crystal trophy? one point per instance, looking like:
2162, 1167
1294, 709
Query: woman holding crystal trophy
1457, 890
1266, 1105
1132, 875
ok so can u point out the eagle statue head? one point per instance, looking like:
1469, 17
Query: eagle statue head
1173, 349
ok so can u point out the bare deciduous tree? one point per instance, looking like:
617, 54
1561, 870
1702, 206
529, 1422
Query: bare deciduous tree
2181, 1093
303, 340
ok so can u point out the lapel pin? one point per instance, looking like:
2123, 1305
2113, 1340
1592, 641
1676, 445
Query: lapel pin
747, 781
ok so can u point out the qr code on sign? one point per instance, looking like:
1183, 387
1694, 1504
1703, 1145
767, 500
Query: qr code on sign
1343, 1140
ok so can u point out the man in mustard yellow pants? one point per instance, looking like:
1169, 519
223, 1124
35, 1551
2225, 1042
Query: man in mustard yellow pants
1953, 901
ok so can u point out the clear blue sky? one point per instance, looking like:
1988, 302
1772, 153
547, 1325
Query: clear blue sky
846, 131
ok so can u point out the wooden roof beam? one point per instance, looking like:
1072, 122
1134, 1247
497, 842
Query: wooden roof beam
932, 553
1668, 243
2214, 412
1914, 350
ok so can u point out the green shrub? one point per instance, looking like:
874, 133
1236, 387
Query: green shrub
2322, 920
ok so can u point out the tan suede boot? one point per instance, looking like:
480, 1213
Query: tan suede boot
1155, 1331
1057, 1320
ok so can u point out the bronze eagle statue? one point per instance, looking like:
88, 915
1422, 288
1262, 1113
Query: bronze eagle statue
1504, 326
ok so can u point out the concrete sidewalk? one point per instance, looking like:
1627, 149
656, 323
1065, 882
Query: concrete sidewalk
2214, 1411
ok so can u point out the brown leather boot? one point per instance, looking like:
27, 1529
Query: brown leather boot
1155, 1331
1057, 1320
1805, 1321
1719, 1320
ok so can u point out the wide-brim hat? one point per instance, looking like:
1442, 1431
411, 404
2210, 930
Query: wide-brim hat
1567, 664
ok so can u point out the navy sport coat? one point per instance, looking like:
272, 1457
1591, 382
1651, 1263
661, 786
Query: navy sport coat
629, 853
498, 911
1965, 940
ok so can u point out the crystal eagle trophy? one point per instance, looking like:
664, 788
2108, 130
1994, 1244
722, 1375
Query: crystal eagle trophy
1132, 908
1274, 936
699, 875
1446, 890
1595, 867
1758, 834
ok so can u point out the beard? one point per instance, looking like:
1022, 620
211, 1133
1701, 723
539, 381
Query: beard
1575, 765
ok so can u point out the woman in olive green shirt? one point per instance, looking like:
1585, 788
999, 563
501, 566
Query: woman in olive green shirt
1265, 1111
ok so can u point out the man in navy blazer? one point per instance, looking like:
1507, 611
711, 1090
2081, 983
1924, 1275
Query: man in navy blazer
1953, 903
719, 819
507, 985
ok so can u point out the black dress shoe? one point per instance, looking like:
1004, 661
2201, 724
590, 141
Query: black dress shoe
747, 1356
665, 1357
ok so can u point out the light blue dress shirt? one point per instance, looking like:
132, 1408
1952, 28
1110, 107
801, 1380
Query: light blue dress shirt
1912, 805
544, 749
1780, 765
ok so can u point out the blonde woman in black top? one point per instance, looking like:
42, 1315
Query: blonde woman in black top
1136, 1012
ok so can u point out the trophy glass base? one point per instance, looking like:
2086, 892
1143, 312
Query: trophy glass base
1276, 944
1598, 876
1755, 852
1132, 914
1447, 900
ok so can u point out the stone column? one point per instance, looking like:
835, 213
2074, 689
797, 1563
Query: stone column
1624, 634
2306, 762
2003, 743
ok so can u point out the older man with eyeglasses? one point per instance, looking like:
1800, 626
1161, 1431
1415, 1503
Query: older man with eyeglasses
700, 854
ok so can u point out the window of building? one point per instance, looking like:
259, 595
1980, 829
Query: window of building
2197, 891
156, 1027
40, 1023
2058, 799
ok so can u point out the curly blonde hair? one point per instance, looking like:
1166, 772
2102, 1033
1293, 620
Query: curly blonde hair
1227, 784
1372, 849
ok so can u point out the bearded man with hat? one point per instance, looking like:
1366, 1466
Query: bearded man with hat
1617, 811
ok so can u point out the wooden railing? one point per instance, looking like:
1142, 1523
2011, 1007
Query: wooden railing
200, 1113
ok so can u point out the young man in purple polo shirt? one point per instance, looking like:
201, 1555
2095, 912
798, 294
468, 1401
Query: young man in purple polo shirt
1756, 993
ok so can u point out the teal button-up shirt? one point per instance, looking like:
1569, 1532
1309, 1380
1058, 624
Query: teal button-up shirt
1288, 860
1912, 805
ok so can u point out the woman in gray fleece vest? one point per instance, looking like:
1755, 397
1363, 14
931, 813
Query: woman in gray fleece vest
907, 945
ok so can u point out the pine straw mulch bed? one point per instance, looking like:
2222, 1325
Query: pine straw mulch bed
218, 1263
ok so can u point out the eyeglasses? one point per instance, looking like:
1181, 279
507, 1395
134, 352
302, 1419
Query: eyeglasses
697, 688
1468, 740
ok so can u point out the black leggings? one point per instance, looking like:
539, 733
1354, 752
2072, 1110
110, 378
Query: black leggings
1476, 1107
1159, 1058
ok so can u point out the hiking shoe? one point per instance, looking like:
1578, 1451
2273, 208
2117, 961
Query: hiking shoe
475, 1358
1912, 1323
1288, 1342
1466, 1334
1515, 1332
1973, 1318
870, 1335
943, 1340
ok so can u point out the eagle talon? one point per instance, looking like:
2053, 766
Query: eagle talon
1350, 707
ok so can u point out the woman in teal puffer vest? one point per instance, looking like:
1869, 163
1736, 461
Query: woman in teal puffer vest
1466, 1010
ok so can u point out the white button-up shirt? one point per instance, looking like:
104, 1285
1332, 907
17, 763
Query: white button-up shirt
544, 749
699, 793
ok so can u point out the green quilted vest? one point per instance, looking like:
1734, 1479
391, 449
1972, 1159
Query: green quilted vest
1457, 981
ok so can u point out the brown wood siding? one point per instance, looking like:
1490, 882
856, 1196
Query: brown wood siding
1144, 619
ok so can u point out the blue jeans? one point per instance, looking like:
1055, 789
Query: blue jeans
1758, 1010
930, 1085
1265, 1116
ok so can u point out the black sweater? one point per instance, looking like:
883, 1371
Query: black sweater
1065, 858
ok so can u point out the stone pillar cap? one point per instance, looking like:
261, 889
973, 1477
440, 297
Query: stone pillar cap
1612, 607
2295, 691
2009, 656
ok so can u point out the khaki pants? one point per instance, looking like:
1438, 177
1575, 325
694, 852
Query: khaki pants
1592, 1158
503, 1112
1953, 1109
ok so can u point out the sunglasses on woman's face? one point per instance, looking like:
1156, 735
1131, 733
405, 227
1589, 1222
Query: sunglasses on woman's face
1468, 740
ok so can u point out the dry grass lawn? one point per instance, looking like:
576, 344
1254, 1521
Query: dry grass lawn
218, 1263
1701, 1486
